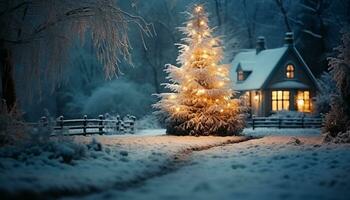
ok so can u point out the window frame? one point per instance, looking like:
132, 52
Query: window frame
290, 73
280, 102
240, 75
307, 101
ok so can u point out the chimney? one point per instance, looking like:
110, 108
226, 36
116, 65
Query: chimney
260, 44
289, 39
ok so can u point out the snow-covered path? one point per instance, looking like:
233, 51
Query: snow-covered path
274, 167
284, 164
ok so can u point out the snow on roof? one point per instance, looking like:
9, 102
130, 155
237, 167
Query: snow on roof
289, 84
262, 64
247, 65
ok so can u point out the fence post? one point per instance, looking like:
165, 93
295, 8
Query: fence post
132, 124
302, 122
122, 127
253, 124
84, 124
61, 122
44, 121
279, 122
100, 128
117, 124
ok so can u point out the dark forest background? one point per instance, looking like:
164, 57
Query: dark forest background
84, 88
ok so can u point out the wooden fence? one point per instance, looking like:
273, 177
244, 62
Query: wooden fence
301, 122
87, 126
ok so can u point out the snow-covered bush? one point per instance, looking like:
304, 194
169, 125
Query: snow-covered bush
337, 123
60, 149
147, 122
120, 97
328, 90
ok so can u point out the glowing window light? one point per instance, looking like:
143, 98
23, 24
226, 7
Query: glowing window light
222, 110
201, 22
256, 97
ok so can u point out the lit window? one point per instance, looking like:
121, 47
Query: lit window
290, 71
240, 75
280, 100
303, 101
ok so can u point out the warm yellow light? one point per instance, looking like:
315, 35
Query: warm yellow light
201, 22
204, 99
256, 97
172, 96
189, 24
184, 88
194, 32
213, 42
216, 100
177, 109
222, 110
200, 92
221, 83
228, 104
198, 8
206, 33
212, 64
300, 102
219, 69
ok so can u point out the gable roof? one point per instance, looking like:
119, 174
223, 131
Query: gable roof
262, 64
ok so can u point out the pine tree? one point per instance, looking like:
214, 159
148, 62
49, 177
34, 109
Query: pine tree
201, 101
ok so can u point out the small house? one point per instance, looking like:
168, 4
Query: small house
272, 80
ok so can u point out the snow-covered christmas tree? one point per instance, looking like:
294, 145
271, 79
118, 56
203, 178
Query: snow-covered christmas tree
201, 102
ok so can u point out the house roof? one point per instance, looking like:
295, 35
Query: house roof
262, 64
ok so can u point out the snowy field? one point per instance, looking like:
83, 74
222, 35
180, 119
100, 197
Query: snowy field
284, 164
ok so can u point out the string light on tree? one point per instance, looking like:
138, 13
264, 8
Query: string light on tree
200, 85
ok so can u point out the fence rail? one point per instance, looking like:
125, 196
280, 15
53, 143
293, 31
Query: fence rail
87, 126
301, 122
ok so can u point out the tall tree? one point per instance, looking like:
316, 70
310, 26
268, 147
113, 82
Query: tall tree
39, 34
201, 100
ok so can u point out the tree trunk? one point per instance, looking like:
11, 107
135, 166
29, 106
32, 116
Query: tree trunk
284, 13
7, 80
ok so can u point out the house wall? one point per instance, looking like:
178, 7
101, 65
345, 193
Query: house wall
299, 75
257, 102
279, 75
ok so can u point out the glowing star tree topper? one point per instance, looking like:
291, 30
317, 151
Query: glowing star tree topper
200, 102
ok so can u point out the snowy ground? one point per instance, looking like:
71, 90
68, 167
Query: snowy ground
285, 164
